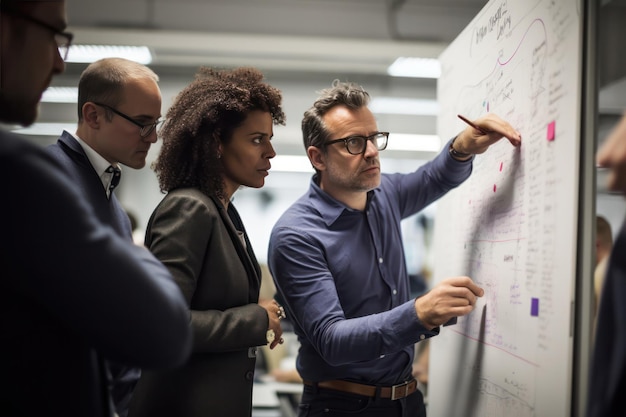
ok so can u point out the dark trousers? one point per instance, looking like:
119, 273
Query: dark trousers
317, 402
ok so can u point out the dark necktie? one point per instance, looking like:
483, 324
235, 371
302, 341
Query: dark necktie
115, 179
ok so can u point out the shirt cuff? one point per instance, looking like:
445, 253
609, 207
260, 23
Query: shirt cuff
408, 326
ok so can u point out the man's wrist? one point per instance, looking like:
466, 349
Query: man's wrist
460, 156
419, 314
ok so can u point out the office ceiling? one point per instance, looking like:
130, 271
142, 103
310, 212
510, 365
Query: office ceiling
423, 20
360, 36
302, 36
300, 45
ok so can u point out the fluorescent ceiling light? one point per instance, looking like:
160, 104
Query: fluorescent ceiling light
92, 53
60, 95
415, 143
291, 163
412, 106
46, 129
414, 67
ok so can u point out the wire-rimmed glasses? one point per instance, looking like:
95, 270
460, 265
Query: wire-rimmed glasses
356, 144
144, 129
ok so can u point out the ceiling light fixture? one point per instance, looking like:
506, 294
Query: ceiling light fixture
46, 129
414, 143
411, 106
415, 67
92, 53
60, 95
291, 163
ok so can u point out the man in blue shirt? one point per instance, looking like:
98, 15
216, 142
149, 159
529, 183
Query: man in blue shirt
337, 259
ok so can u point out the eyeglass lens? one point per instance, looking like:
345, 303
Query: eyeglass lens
145, 130
357, 144
63, 43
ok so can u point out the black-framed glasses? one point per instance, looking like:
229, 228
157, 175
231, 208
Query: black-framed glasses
62, 39
144, 130
356, 145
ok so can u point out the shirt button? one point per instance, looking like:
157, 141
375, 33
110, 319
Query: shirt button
382, 356
249, 375
422, 337
380, 260
394, 292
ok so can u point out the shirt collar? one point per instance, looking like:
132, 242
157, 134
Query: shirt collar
98, 163
329, 208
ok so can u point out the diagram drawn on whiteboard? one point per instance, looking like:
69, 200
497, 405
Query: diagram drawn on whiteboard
511, 226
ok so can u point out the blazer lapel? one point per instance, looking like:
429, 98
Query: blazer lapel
77, 154
245, 253
74, 150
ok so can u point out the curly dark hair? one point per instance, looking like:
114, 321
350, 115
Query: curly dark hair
203, 114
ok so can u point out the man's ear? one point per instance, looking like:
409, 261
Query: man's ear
91, 116
317, 158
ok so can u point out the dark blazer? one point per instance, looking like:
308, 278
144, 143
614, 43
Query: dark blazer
197, 240
607, 384
68, 295
71, 155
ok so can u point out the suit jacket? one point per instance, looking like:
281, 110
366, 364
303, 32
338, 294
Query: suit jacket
607, 384
219, 276
68, 295
71, 155
109, 211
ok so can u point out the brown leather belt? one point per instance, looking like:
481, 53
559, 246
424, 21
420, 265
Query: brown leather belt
394, 392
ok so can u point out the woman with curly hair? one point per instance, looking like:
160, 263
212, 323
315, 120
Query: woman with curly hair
216, 138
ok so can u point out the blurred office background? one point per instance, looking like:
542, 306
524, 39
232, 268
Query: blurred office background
302, 46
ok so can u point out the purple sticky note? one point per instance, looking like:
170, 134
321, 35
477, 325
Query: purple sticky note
534, 307
551, 128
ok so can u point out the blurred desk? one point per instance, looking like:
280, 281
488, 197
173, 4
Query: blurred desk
283, 396
264, 396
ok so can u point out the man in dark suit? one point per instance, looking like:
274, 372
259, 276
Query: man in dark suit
119, 104
608, 368
70, 285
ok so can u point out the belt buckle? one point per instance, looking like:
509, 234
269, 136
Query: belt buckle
399, 391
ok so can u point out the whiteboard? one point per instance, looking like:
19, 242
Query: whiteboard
512, 226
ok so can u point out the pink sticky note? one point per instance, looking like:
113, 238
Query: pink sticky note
550, 135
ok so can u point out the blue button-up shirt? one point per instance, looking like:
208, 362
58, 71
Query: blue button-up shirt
342, 276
